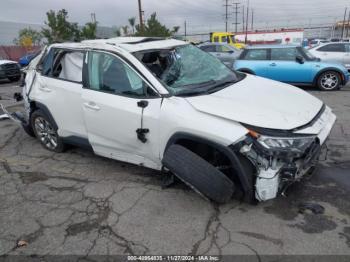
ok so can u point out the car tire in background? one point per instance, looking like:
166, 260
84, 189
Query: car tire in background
45, 132
329, 81
198, 174
28, 129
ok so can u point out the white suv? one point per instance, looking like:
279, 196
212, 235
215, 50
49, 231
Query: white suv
167, 105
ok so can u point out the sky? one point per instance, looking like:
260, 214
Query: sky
200, 15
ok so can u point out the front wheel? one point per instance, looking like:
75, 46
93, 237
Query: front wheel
329, 81
14, 78
45, 132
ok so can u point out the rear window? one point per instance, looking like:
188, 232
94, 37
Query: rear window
256, 54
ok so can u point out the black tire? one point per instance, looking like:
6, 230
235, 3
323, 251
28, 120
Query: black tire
38, 116
334, 81
28, 129
14, 78
198, 174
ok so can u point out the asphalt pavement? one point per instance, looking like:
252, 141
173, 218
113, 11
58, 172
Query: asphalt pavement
77, 203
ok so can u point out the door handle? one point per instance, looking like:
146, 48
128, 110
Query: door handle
92, 105
273, 64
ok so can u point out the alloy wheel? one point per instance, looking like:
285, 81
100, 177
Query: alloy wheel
45, 132
329, 81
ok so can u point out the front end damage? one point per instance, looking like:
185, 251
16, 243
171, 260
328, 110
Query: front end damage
284, 157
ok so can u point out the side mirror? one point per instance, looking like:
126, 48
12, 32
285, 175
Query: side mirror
300, 59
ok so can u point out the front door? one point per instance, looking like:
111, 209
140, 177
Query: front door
285, 68
117, 102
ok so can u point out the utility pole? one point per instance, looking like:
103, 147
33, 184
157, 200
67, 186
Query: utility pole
246, 26
236, 4
252, 25
343, 27
185, 30
347, 26
243, 11
226, 5
140, 16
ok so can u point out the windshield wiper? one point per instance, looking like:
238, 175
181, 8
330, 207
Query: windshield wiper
221, 85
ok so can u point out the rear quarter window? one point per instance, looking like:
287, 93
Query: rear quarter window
332, 48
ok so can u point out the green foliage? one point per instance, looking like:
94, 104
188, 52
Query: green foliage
117, 32
28, 35
89, 31
125, 30
154, 28
59, 29
132, 21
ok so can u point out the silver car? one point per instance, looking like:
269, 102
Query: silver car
226, 53
333, 52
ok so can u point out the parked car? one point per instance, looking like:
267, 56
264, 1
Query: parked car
333, 52
25, 60
9, 70
167, 105
292, 64
317, 42
225, 52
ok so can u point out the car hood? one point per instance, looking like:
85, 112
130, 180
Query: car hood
260, 102
2, 62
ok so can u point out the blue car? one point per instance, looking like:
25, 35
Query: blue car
25, 60
293, 65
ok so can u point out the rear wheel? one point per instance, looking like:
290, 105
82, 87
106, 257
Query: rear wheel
329, 81
45, 132
198, 174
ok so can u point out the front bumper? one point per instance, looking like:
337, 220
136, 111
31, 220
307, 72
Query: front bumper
276, 172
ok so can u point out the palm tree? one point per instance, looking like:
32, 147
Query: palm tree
125, 30
132, 21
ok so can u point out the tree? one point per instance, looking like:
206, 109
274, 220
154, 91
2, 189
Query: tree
89, 30
175, 30
154, 28
125, 30
28, 37
59, 29
117, 32
132, 21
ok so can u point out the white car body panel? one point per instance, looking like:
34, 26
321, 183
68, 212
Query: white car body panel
287, 108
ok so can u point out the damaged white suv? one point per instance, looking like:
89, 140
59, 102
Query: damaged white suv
167, 105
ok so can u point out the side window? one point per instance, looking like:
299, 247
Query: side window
347, 48
216, 39
208, 48
108, 73
224, 39
256, 54
224, 49
284, 54
63, 64
332, 48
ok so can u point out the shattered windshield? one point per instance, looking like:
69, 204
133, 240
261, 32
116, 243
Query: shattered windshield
187, 70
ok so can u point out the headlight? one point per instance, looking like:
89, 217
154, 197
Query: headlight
286, 144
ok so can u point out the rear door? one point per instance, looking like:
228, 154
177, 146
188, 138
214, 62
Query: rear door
256, 60
58, 90
285, 68
119, 105
333, 52
346, 58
